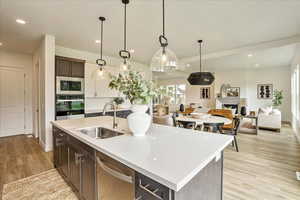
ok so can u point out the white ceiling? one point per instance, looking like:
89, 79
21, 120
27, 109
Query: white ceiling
222, 24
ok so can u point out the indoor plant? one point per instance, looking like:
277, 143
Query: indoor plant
118, 101
277, 98
140, 93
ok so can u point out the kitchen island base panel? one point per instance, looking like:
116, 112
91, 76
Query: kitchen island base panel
207, 184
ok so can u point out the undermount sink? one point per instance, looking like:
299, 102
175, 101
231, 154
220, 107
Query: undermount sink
100, 133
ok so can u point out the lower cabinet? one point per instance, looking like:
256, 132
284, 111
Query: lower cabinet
75, 162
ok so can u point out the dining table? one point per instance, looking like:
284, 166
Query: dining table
200, 120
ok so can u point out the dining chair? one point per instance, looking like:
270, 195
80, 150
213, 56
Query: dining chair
214, 127
186, 124
234, 131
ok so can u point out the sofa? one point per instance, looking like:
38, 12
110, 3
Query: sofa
269, 118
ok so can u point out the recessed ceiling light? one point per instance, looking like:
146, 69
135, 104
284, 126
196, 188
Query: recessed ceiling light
131, 50
20, 21
1, 44
97, 41
188, 65
256, 65
250, 55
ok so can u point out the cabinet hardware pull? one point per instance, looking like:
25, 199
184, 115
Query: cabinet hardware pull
78, 157
113, 172
149, 191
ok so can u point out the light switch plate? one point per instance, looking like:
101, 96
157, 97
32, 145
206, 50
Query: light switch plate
298, 176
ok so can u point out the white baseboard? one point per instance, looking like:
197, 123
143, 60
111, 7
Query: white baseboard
42, 144
28, 131
48, 148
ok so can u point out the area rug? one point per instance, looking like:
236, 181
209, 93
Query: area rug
44, 186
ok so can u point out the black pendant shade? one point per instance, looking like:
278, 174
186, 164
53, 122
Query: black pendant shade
201, 78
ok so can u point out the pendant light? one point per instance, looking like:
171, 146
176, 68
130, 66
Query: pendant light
125, 54
164, 59
201, 78
101, 62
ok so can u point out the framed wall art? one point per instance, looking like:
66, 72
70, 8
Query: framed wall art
233, 92
205, 93
265, 91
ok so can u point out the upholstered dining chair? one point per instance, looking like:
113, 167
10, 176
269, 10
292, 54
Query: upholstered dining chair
223, 113
234, 131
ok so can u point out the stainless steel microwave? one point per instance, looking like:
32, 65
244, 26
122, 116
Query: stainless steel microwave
69, 85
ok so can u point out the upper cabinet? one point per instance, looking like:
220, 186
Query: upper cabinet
69, 67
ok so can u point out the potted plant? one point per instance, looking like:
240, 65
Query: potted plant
118, 101
277, 98
140, 93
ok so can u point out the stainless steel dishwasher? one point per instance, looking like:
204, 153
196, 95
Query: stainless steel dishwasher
115, 180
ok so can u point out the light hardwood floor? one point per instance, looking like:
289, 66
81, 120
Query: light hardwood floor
264, 169
21, 157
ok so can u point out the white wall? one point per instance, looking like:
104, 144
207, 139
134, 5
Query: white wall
112, 63
247, 80
45, 56
24, 62
192, 93
295, 62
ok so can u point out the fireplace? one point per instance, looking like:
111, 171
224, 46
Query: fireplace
232, 106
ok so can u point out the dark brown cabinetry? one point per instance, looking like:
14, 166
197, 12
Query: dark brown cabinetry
61, 151
69, 67
75, 162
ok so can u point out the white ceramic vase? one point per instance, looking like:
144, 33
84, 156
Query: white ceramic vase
139, 121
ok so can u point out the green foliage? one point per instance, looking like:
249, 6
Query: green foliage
118, 100
134, 87
277, 98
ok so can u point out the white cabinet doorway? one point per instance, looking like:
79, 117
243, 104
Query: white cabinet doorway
12, 101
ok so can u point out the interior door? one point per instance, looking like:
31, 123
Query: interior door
12, 102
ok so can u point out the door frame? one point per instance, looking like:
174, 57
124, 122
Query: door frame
37, 101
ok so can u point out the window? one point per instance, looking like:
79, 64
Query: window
176, 93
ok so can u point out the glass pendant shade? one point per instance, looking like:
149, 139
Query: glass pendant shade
100, 72
164, 60
125, 66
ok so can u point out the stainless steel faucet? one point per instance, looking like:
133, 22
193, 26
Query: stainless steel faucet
113, 104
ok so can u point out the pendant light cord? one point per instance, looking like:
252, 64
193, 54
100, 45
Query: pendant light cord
125, 26
200, 51
124, 53
101, 62
101, 46
164, 18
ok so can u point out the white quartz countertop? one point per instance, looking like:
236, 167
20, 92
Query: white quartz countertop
171, 156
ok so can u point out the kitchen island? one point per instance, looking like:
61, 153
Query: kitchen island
169, 163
